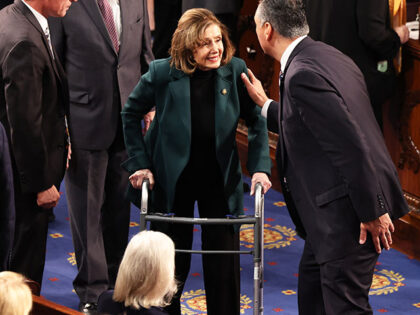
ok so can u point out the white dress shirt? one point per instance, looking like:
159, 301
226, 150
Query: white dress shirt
42, 20
283, 62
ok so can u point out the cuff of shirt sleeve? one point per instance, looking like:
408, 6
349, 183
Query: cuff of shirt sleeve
265, 108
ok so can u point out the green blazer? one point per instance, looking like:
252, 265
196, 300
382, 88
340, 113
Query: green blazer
165, 150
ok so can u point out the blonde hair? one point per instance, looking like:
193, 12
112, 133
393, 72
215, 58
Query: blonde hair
15, 295
189, 35
146, 276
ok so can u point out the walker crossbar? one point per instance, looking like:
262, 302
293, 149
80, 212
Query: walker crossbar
191, 251
200, 221
257, 221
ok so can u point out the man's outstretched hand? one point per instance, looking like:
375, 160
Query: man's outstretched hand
255, 88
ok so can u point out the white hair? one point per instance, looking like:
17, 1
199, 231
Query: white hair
146, 276
15, 295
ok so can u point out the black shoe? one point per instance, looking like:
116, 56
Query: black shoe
88, 308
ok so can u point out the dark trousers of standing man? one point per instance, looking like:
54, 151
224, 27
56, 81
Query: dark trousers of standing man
339, 286
31, 230
30, 239
99, 216
221, 271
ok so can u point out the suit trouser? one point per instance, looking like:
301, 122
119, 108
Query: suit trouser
30, 239
221, 271
340, 286
99, 217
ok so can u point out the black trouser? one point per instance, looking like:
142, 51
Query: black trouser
221, 271
99, 216
31, 230
340, 286
30, 240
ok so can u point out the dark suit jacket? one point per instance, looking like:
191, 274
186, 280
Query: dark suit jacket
361, 30
166, 149
331, 151
5, 3
216, 6
7, 201
107, 305
33, 101
99, 79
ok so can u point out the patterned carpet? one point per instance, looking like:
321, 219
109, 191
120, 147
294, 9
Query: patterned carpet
395, 288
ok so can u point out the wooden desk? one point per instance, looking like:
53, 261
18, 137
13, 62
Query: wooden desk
402, 136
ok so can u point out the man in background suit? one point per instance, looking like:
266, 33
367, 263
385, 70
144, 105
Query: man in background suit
226, 11
33, 104
339, 182
361, 30
5, 3
104, 46
7, 202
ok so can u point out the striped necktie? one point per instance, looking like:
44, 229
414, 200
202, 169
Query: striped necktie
106, 12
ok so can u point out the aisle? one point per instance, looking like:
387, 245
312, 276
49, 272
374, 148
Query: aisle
395, 289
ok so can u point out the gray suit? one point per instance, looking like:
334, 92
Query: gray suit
100, 81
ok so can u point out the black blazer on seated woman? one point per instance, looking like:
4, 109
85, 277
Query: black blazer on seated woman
106, 305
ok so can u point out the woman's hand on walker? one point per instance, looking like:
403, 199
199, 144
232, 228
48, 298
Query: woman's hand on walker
260, 178
137, 178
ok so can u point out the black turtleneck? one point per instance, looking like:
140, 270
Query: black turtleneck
203, 142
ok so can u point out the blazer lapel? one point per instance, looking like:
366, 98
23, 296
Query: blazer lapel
124, 5
222, 90
281, 134
32, 19
92, 8
181, 102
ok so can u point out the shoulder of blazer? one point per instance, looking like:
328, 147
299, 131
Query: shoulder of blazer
162, 71
235, 66
22, 9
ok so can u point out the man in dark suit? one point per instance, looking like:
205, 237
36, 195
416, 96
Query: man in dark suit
5, 3
339, 183
7, 202
33, 104
104, 46
361, 30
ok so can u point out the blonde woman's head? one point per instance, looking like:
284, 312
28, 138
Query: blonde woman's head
146, 276
15, 295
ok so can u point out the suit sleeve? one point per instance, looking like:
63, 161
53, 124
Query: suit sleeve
139, 103
146, 53
258, 150
374, 29
7, 202
24, 93
327, 117
272, 117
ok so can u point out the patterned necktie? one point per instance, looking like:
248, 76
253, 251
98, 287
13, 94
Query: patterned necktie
47, 35
106, 12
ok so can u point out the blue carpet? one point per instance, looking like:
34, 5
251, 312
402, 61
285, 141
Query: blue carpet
395, 288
